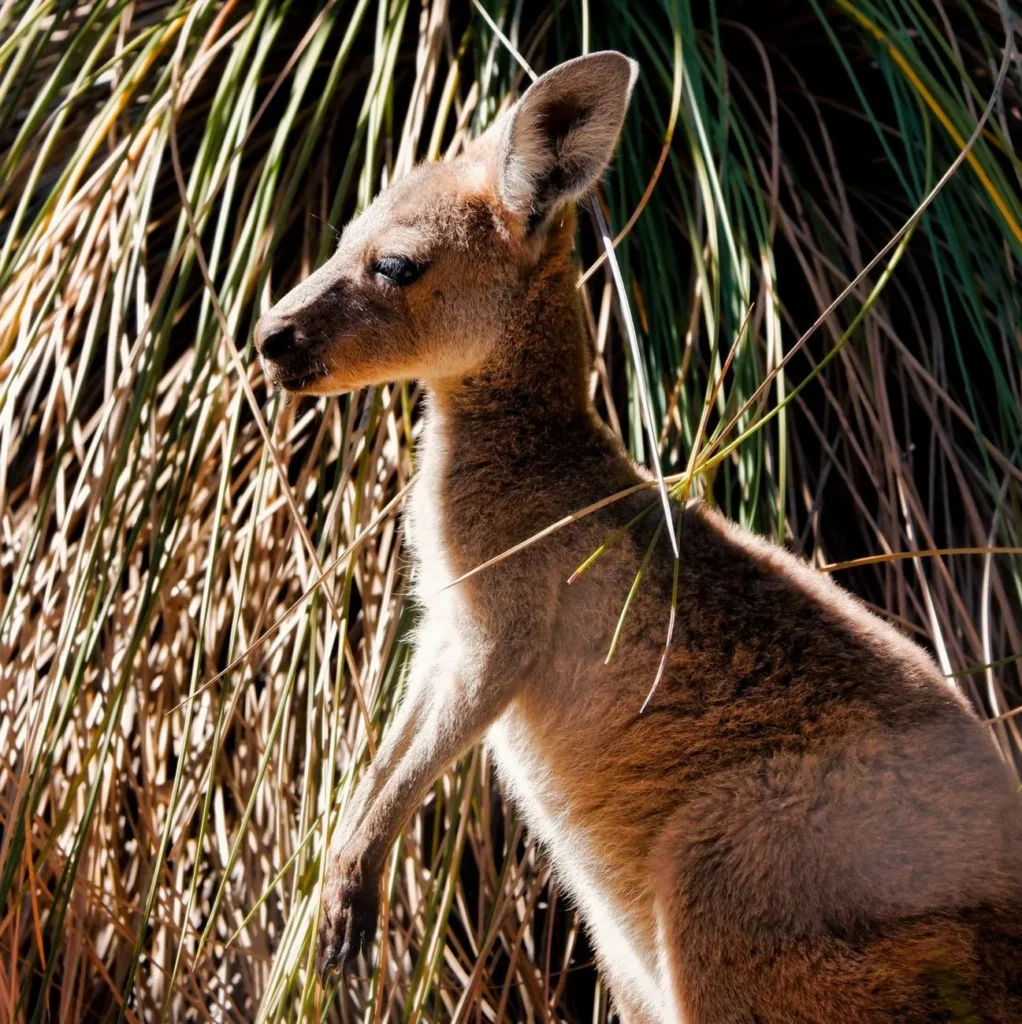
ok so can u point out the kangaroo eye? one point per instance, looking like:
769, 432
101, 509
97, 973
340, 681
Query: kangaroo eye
399, 269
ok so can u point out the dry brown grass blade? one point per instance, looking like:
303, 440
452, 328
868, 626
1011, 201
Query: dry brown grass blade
900, 556
552, 528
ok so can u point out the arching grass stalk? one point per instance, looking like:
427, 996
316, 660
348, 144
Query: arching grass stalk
643, 566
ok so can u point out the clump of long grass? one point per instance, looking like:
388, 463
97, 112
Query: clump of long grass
204, 629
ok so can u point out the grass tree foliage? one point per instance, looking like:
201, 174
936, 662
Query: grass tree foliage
203, 622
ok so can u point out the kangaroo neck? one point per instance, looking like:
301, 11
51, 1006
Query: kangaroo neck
535, 381
499, 447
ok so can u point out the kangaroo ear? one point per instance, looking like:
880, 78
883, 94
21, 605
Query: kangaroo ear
561, 134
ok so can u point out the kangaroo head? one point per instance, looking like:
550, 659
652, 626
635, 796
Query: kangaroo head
424, 278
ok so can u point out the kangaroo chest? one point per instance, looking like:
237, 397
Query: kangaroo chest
622, 934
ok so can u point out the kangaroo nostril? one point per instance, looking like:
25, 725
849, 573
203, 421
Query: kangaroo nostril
278, 342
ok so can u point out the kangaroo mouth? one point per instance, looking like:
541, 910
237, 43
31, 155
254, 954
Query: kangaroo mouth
294, 374
298, 384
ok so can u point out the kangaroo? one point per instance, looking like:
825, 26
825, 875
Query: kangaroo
807, 823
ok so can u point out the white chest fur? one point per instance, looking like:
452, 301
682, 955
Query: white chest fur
423, 526
626, 956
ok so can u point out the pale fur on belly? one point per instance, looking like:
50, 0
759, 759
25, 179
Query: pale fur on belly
634, 969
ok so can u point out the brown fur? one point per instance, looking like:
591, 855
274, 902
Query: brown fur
807, 823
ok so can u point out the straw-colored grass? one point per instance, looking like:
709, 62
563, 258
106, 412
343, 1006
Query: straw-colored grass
204, 629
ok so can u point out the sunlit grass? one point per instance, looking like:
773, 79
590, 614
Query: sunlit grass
204, 628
